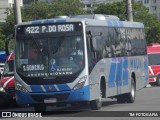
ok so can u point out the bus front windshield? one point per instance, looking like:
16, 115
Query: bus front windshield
52, 56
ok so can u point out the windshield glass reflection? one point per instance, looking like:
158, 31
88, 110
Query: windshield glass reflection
54, 56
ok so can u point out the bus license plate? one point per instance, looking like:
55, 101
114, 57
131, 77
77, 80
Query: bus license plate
50, 100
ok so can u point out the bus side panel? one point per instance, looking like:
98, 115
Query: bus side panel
146, 70
138, 66
100, 69
123, 76
117, 73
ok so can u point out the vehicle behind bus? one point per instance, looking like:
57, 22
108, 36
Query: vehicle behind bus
7, 82
153, 51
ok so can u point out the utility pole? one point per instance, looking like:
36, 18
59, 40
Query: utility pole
129, 10
17, 11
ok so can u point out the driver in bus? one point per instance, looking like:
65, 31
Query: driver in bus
78, 52
79, 47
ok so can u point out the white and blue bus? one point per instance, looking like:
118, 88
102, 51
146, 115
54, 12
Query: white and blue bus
82, 58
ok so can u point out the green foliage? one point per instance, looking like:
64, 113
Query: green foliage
67, 7
7, 29
140, 14
115, 8
36, 10
2, 40
152, 24
43, 10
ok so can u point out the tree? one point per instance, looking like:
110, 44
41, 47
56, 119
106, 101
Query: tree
43, 10
66, 7
2, 40
140, 14
152, 24
35, 10
7, 29
114, 8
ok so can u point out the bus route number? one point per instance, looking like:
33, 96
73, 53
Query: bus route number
32, 29
49, 28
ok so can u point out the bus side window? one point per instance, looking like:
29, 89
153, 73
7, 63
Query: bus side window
91, 53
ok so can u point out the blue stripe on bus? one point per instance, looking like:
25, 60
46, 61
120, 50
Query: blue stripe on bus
37, 22
109, 23
49, 21
36, 88
146, 67
49, 88
125, 71
113, 23
82, 94
119, 72
112, 72
63, 87
116, 23
61, 21
120, 23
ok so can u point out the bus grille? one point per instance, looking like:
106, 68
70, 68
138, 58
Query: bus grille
10, 90
59, 97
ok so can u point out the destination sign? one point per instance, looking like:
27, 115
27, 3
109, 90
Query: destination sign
49, 28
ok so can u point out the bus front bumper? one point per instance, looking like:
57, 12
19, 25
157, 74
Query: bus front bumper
78, 95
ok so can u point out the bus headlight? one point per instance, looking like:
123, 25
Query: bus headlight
80, 83
20, 87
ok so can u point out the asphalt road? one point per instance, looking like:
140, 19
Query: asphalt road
147, 101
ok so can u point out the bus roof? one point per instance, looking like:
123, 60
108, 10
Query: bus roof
153, 48
98, 20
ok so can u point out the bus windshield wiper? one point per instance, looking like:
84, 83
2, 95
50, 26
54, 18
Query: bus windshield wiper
37, 45
58, 44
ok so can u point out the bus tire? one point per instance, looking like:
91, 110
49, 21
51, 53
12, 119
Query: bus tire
158, 80
97, 104
130, 97
40, 108
79, 104
121, 99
